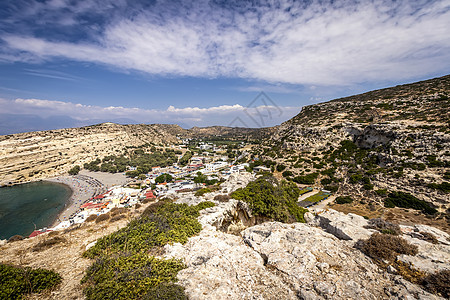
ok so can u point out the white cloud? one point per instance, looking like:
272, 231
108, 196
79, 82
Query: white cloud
320, 44
191, 116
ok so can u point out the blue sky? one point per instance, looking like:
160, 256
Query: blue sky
198, 63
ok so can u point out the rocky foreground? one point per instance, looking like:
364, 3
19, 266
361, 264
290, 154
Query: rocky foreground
237, 257
316, 260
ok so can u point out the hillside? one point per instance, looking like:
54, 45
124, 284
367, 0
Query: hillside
42, 154
369, 145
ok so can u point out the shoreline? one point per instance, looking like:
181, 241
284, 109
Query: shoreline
84, 186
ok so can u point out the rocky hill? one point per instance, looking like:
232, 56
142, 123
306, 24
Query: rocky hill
42, 154
34, 155
368, 145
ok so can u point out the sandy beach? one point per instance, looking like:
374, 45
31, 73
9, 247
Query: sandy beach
84, 186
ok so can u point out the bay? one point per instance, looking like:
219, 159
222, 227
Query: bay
30, 206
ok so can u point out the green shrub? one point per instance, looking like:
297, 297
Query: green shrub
124, 269
15, 282
125, 276
406, 200
166, 291
306, 179
160, 223
287, 174
269, 198
75, 170
381, 192
444, 186
343, 199
202, 191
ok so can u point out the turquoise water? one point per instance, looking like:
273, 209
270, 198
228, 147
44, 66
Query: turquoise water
26, 205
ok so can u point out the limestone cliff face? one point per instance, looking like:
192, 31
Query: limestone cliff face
35, 155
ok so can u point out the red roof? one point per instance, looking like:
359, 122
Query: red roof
37, 232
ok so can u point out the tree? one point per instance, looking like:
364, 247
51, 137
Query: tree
163, 178
75, 170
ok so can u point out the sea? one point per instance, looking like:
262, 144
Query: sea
30, 206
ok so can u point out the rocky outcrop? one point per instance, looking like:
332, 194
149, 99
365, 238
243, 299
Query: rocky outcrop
343, 226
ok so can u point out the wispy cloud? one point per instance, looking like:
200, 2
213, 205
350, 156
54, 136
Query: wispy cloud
188, 116
323, 43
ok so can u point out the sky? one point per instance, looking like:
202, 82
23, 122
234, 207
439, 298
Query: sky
66, 63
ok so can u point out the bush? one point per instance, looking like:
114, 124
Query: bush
406, 200
385, 247
202, 191
281, 167
123, 268
91, 218
343, 199
306, 179
222, 198
163, 178
117, 218
75, 170
438, 283
269, 198
381, 192
15, 238
166, 291
160, 223
384, 226
429, 237
124, 276
117, 210
101, 218
15, 282
48, 243
287, 174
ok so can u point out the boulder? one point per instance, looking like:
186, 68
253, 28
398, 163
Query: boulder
343, 226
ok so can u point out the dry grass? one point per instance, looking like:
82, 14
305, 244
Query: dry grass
384, 226
385, 247
117, 218
438, 283
396, 215
429, 237
102, 218
91, 218
117, 211
48, 243
222, 198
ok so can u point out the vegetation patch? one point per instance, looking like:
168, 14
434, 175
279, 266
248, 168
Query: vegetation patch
384, 226
406, 200
129, 276
438, 283
343, 199
317, 197
269, 198
124, 268
385, 247
306, 179
48, 243
15, 282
